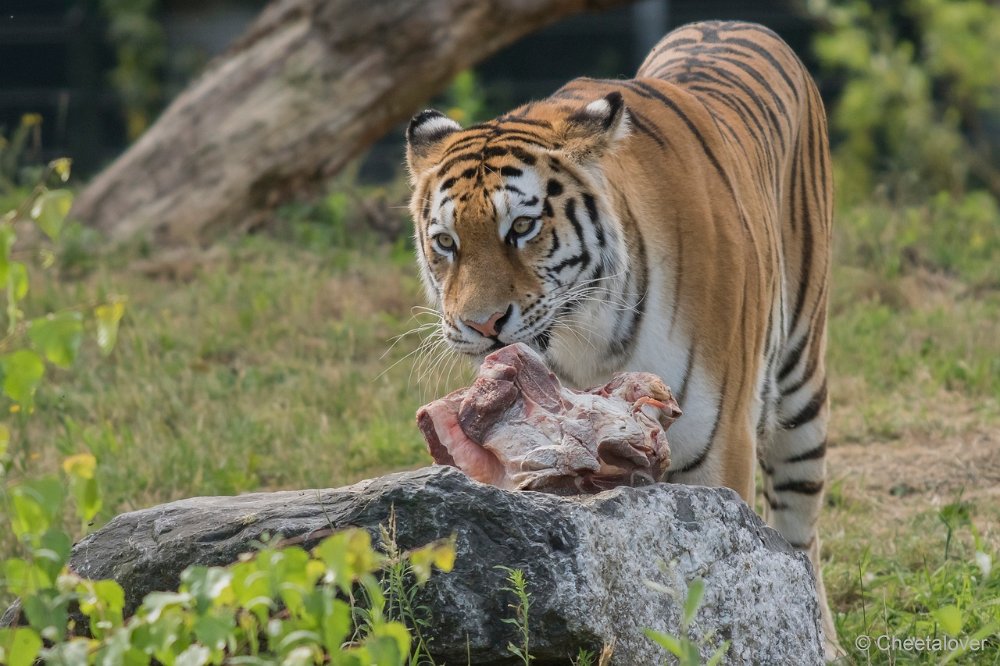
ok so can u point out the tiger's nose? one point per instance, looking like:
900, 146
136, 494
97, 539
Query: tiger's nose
491, 327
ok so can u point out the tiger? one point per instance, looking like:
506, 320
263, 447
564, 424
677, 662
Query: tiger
678, 223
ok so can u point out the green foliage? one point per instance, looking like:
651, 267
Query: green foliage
465, 99
140, 49
919, 93
278, 605
936, 586
517, 585
23, 140
686, 650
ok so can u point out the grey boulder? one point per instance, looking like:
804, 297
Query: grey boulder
587, 561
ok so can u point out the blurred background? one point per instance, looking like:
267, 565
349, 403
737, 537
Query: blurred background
295, 355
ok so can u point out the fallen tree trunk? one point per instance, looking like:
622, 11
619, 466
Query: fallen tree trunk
585, 559
310, 86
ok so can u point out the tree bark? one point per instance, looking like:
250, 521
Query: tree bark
309, 86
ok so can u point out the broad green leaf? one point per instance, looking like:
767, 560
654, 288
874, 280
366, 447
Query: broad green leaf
23, 578
36, 505
194, 655
950, 618
4, 439
47, 612
88, 498
80, 466
23, 371
213, 630
395, 631
50, 211
108, 317
696, 590
53, 551
336, 624
71, 653
155, 603
300, 656
207, 584
19, 647
58, 337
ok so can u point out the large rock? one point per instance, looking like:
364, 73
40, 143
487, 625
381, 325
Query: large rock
586, 560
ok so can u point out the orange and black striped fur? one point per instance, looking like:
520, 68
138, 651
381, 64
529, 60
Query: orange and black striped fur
677, 223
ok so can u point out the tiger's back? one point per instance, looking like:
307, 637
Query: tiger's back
676, 223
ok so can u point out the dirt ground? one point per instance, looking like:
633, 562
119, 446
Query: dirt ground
923, 471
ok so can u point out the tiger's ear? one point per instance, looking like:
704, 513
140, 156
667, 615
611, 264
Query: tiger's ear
594, 130
424, 136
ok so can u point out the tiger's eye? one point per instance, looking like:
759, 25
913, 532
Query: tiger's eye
522, 225
445, 241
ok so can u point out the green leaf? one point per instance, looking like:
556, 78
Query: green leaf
207, 584
214, 630
17, 279
71, 653
53, 552
194, 655
395, 631
58, 337
950, 618
666, 641
7, 239
50, 211
22, 578
696, 590
19, 647
4, 439
108, 317
23, 371
36, 505
47, 612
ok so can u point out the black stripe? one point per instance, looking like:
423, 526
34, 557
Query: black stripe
764, 53
591, 204
812, 454
810, 411
700, 460
553, 188
773, 502
510, 172
555, 244
641, 123
522, 155
524, 121
800, 487
792, 361
646, 90
807, 249
697, 462
689, 365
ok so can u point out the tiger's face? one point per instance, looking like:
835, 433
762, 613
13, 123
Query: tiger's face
511, 222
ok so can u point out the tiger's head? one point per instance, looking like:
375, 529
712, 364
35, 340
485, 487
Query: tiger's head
514, 228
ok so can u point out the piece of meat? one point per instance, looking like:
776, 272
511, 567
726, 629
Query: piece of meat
517, 427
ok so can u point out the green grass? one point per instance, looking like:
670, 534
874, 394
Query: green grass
259, 365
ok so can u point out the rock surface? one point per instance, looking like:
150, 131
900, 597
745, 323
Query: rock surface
585, 559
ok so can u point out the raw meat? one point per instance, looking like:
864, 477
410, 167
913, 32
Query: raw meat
517, 428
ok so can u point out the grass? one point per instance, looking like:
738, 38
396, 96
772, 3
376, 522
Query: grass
267, 363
